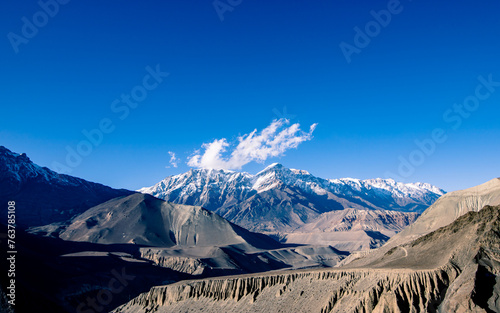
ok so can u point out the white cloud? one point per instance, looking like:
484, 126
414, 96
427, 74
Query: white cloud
174, 161
272, 141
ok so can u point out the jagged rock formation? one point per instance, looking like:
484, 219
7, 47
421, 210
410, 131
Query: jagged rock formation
319, 291
188, 265
43, 196
426, 275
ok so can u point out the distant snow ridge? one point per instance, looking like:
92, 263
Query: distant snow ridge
279, 199
197, 182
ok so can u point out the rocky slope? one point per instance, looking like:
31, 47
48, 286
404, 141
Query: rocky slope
351, 229
145, 220
279, 200
425, 275
319, 291
448, 208
42, 196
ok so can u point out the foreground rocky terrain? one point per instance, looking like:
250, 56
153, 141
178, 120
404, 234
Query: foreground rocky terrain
455, 268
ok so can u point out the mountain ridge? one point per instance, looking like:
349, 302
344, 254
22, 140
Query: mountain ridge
263, 180
281, 200
43, 196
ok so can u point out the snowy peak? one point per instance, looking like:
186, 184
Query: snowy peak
300, 172
281, 171
274, 167
211, 184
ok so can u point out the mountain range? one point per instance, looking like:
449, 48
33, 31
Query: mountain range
295, 206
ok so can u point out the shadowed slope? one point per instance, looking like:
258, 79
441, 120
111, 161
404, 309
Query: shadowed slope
145, 220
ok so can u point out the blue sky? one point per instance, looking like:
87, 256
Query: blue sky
228, 77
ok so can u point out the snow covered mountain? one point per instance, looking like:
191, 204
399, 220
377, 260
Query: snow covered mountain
279, 199
43, 196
